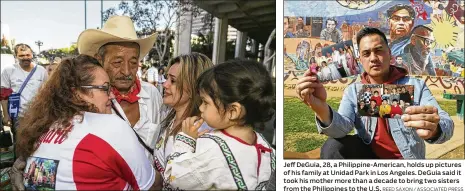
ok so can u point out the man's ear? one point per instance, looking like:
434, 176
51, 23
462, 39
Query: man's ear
99, 58
235, 111
413, 40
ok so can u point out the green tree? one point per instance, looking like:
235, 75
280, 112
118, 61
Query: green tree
152, 16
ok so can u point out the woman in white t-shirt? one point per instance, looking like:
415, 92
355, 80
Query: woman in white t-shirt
72, 143
183, 101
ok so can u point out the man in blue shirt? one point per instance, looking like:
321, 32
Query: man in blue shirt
376, 137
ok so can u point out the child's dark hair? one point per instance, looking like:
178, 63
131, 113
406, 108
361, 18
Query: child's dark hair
244, 81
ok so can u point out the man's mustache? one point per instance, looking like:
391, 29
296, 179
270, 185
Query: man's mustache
26, 60
124, 78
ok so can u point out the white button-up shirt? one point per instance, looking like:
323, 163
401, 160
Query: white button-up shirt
150, 102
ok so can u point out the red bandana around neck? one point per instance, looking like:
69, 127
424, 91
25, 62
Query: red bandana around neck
131, 96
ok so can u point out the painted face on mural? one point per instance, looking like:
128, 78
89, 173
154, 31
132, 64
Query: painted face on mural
422, 39
375, 55
399, 60
400, 24
330, 25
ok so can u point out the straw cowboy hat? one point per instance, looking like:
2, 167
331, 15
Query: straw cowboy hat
116, 29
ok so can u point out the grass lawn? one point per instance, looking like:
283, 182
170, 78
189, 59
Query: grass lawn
300, 132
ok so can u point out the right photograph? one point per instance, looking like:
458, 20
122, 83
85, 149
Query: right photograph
374, 79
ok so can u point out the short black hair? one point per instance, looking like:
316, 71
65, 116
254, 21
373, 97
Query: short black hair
244, 81
376, 92
394, 100
370, 31
331, 19
398, 7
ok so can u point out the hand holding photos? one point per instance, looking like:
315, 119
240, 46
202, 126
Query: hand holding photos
424, 119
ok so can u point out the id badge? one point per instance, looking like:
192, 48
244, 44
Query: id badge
13, 105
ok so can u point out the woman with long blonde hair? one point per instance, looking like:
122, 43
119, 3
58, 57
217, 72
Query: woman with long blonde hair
182, 100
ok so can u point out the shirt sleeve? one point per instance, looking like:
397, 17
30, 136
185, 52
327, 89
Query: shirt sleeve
155, 75
44, 75
323, 34
195, 164
343, 121
6, 78
150, 75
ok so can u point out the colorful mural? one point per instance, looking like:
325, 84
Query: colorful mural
425, 37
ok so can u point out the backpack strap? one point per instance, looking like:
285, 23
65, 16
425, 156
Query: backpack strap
150, 150
27, 80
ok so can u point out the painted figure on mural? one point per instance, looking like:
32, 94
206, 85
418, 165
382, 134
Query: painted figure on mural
287, 33
401, 19
331, 33
456, 8
418, 52
303, 53
346, 31
400, 63
438, 9
301, 32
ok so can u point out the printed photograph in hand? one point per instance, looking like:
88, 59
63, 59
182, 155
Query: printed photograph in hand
386, 101
335, 62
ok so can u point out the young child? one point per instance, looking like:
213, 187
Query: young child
377, 98
396, 110
373, 109
385, 109
386, 95
235, 96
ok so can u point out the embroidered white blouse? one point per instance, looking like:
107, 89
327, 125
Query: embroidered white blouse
216, 161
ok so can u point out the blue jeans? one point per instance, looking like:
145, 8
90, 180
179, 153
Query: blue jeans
348, 147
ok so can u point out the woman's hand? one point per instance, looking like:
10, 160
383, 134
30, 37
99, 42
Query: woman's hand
191, 125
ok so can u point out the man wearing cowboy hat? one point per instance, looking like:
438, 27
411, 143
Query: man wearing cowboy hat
117, 47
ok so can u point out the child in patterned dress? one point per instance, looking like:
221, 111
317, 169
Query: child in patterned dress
236, 95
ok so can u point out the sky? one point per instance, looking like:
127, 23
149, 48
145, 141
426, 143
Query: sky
56, 23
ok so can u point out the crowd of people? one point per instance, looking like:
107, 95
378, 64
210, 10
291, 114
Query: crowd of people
328, 62
339, 62
104, 127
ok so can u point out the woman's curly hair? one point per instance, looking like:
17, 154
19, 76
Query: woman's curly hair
56, 102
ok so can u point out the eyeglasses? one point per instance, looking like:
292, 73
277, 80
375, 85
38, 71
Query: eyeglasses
425, 40
398, 18
105, 87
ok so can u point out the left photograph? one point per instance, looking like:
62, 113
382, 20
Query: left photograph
140, 95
